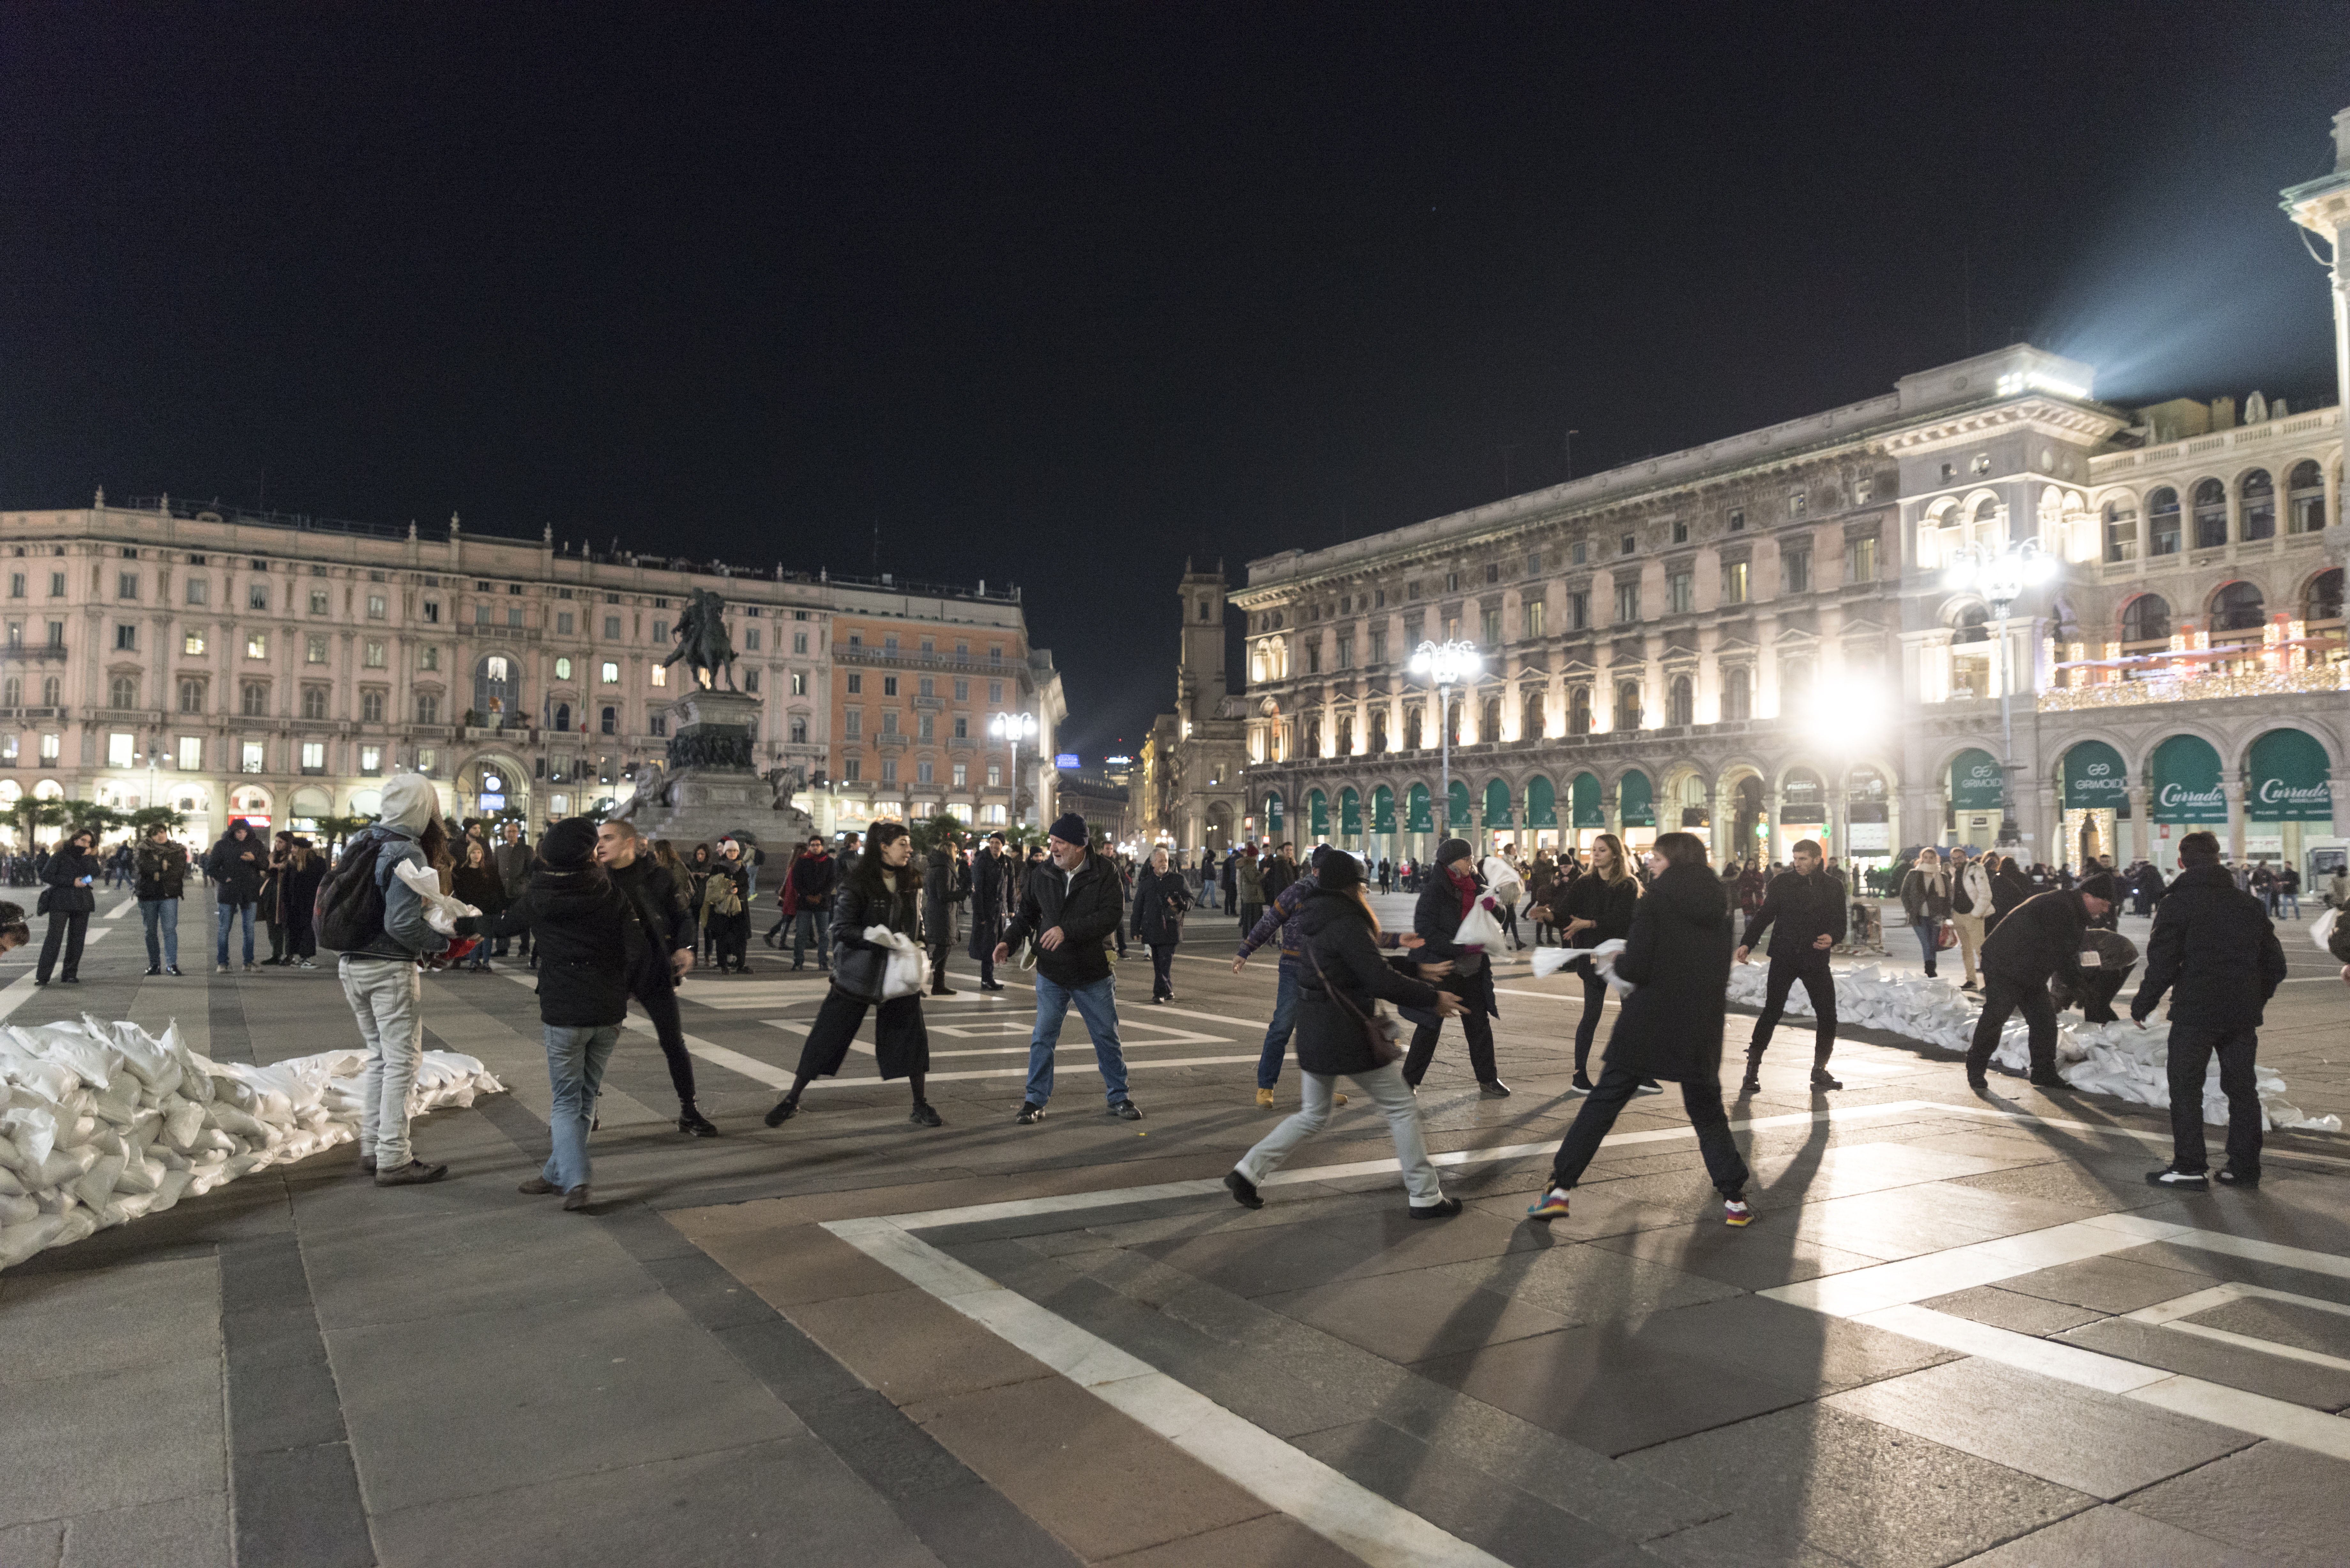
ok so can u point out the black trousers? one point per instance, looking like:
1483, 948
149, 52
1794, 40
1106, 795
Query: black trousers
939, 966
2002, 999
69, 928
1163, 961
1700, 1097
2191, 1049
1819, 984
2095, 997
1477, 1024
659, 1003
1594, 997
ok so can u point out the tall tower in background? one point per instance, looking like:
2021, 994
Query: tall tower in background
1192, 795
2323, 206
1200, 689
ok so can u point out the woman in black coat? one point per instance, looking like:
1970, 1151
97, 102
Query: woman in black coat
2009, 887
72, 872
883, 889
1595, 907
1678, 960
946, 883
1341, 979
1161, 897
298, 900
1448, 893
991, 884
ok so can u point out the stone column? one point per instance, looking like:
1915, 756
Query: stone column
2340, 779
2050, 828
1772, 849
2141, 799
1725, 824
2232, 783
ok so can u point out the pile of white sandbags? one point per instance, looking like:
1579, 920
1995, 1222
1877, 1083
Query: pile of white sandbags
2117, 1058
100, 1123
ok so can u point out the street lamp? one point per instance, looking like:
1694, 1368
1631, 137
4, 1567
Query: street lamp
1013, 728
2001, 576
1448, 664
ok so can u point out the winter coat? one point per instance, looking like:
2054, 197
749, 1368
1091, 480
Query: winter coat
2216, 951
64, 873
1926, 895
1340, 977
1797, 910
1437, 917
480, 886
2009, 892
1609, 906
1678, 960
162, 870
946, 883
1278, 873
1087, 907
991, 884
813, 876
235, 867
514, 862
1160, 903
1249, 882
2041, 938
297, 893
2150, 885
1970, 891
660, 909
579, 926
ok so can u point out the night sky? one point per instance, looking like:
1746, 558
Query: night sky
1059, 295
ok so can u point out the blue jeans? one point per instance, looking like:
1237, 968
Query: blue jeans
1285, 1023
1097, 1005
819, 922
228, 913
165, 911
574, 1071
1930, 939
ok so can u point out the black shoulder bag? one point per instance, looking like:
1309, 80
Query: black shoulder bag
1379, 1030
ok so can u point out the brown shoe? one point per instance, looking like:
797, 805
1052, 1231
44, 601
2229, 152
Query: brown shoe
415, 1173
577, 1199
538, 1187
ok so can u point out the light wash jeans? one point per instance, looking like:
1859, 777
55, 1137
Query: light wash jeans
1390, 1093
1284, 1025
163, 912
385, 996
1098, 1005
228, 913
576, 1058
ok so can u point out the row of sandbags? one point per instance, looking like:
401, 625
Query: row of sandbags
2117, 1058
103, 1123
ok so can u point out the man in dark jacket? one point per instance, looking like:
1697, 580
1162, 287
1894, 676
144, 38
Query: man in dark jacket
2215, 951
1071, 906
813, 876
513, 858
1279, 872
946, 883
660, 913
991, 904
1807, 906
235, 864
159, 872
2039, 939
1446, 896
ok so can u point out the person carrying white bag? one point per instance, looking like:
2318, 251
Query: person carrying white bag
877, 964
1457, 922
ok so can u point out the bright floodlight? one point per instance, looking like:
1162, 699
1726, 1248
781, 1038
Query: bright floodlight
1447, 663
1017, 726
2000, 576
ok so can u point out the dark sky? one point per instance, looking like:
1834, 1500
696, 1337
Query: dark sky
1060, 294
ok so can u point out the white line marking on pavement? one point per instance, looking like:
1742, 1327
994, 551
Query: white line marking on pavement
122, 909
2170, 1313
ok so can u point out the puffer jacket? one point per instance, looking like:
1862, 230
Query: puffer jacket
579, 925
162, 870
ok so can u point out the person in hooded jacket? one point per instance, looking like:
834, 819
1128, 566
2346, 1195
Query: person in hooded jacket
946, 884
72, 873
2041, 938
1342, 979
1451, 891
2216, 951
1677, 961
1161, 897
235, 865
883, 887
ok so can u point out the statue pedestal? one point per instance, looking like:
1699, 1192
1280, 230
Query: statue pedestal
713, 789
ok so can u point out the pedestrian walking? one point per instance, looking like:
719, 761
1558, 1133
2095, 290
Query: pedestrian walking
513, 858
1341, 1034
1287, 917
235, 865
377, 922
1925, 900
1161, 898
659, 954
71, 874
478, 883
1227, 881
1591, 908
1805, 912
1677, 961
1971, 907
297, 896
2289, 892
814, 876
1452, 890
945, 887
158, 880
582, 924
2215, 951
884, 888
991, 883
1248, 879
1070, 909
2041, 938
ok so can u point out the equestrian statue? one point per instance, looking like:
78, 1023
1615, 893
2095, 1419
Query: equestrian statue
701, 640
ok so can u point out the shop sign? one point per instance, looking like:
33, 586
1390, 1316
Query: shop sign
2094, 778
2289, 780
2186, 782
1974, 781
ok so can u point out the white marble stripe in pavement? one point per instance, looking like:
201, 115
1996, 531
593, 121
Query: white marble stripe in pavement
122, 909
29, 955
2170, 1315
1342, 1511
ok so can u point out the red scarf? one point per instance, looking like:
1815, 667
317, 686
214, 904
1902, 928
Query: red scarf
1467, 887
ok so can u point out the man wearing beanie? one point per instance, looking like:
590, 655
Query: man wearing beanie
2215, 951
380, 979
1451, 890
1071, 906
2038, 939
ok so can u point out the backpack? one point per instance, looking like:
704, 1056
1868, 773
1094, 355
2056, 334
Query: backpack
349, 913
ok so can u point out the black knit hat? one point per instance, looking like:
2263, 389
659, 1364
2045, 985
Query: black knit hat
2100, 886
1453, 849
1071, 829
1337, 872
569, 845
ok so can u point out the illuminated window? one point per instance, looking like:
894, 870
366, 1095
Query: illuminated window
256, 645
611, 672
563, 669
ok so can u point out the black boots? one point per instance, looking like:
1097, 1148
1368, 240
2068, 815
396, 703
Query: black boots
692, 1123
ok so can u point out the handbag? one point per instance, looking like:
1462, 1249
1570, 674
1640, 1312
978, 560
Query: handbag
861, 972
1379, 1030
1948, 939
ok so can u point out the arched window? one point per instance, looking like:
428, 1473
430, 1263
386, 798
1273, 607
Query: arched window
609, 722
1458, 709
314, 701
1578, 711
1379, 730
562, 716
122, 692
1313, 732
255, 699
2257, 496
1986, 530
12, 695
2210, 514
1490, 730
51, 691
1533, 726
2162, 523
2323, 601
2121, 531
2305, 494
428, 708
1628, 704
1968, 627
1795, 684
2147, 619
1737, 692
2237, 607
1681, 702
1413, 718
799, 731
192, 696
1346, 737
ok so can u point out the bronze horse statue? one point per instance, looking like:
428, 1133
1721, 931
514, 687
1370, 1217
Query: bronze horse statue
702, 639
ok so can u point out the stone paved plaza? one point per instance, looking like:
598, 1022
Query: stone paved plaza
1960, 1330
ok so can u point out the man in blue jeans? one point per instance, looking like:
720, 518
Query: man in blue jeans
159, 877
1283, 916
235, 864
1072, 905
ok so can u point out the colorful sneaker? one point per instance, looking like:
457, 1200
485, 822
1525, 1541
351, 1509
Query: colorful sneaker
1552, 1205
1734, 1211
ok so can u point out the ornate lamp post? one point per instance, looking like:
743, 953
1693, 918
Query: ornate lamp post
2001, 576
1013, 728
1447, 664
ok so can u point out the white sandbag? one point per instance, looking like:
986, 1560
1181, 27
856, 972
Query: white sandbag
96, 1184
1480, 927
18, 1242
17, 1210
442, 912
94, 1062
11, 1184
904, 973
